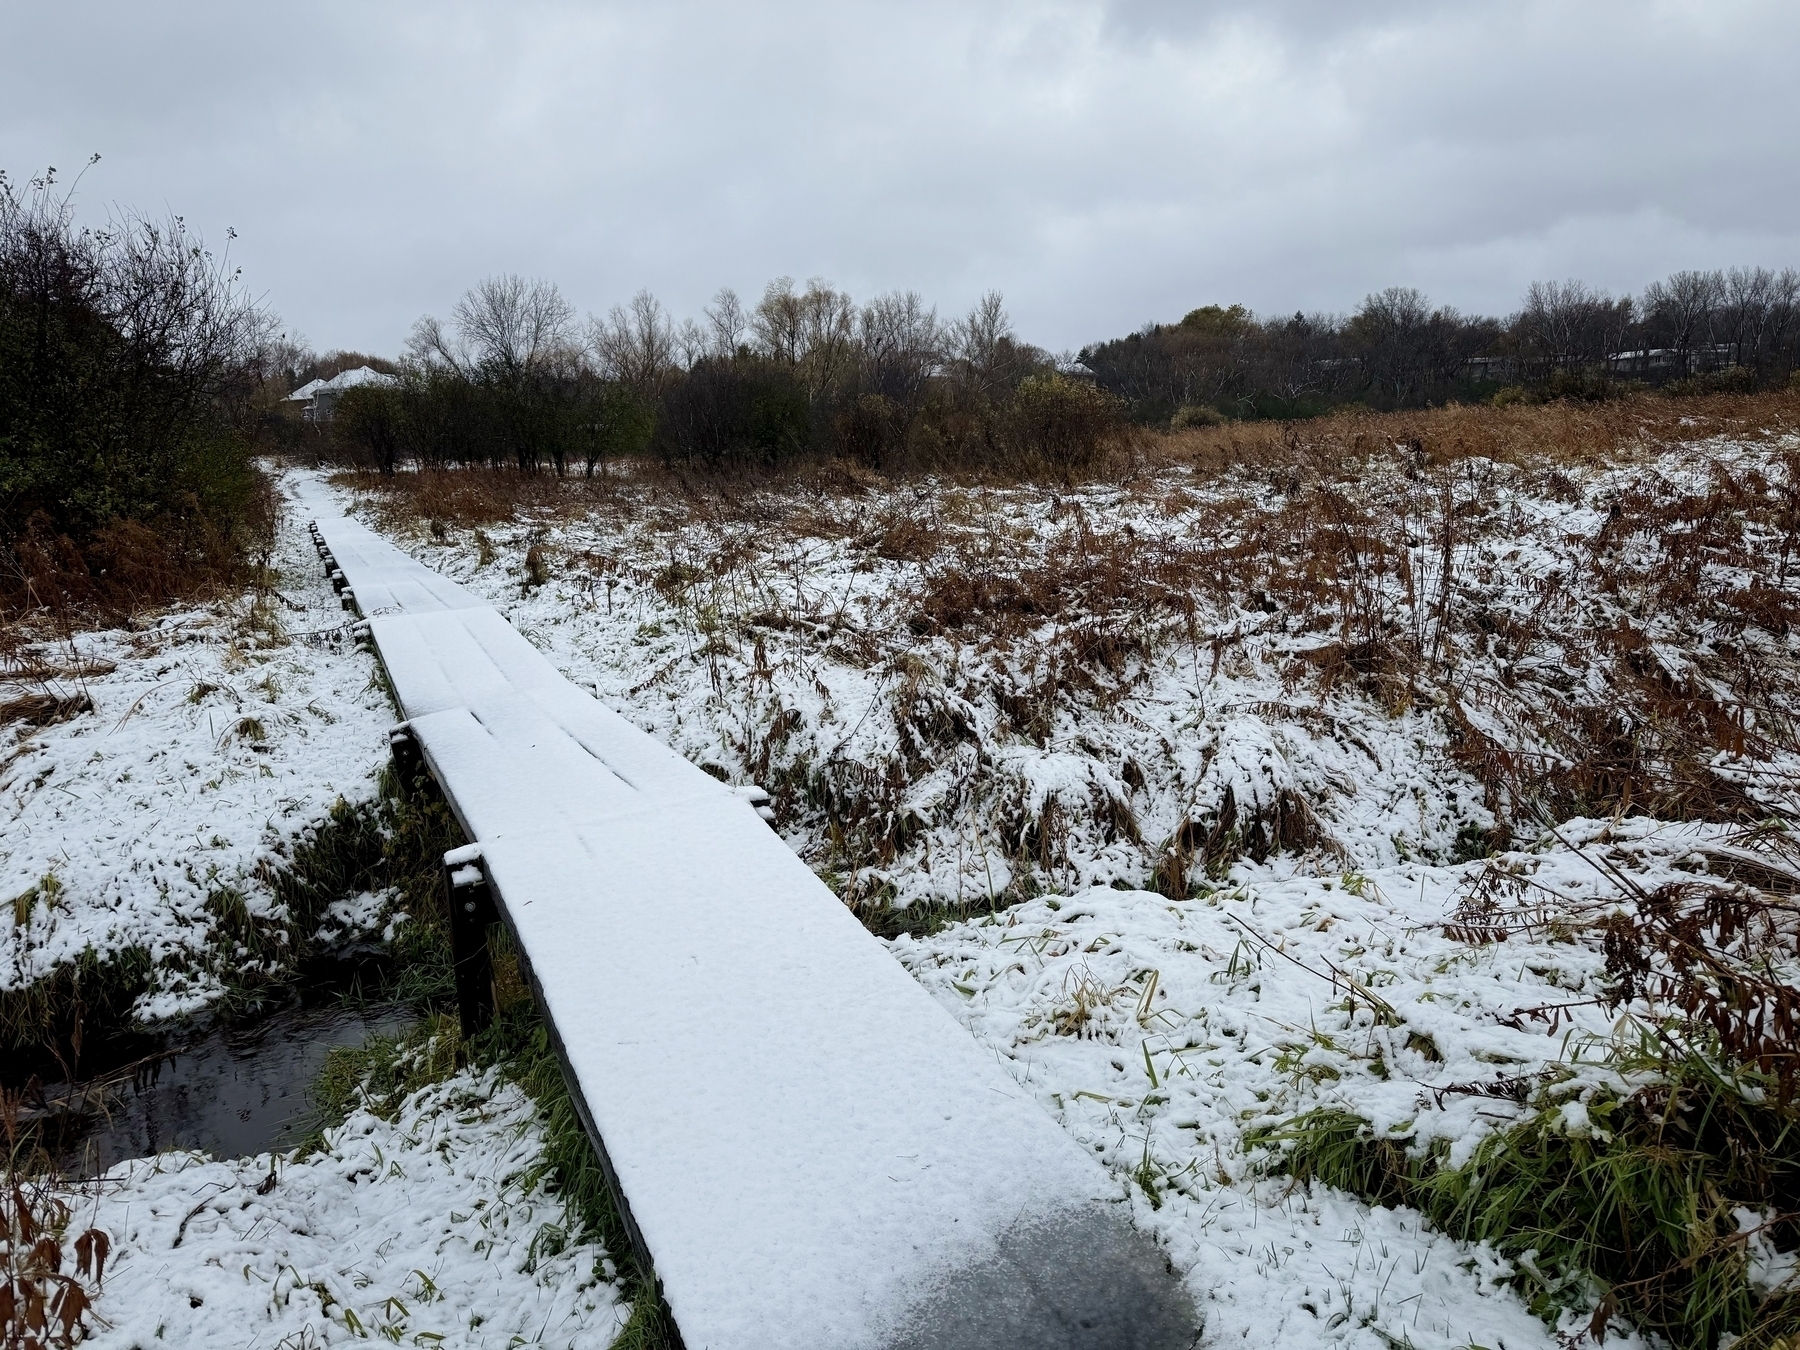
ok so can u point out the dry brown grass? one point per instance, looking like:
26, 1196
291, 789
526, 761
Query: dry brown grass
1542, 436
43, 708
129, 567
471, 498
1524, 435
468, 498
1366, 556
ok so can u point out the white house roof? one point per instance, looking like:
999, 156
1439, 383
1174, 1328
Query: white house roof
362, 375
346, 379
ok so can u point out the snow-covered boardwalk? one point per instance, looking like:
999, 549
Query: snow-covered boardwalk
810, 1151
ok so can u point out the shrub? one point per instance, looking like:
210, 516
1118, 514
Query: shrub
1060, 424
1731, 380
369, 418
610, 420
122, 356
731, 412
1587, 386
1197, 415
870, 428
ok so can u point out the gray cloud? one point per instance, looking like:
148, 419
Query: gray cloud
1102, 164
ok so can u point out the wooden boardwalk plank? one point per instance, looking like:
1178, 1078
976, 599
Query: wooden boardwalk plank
811, 1151
466, 657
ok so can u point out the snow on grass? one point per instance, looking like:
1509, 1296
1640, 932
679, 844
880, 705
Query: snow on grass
884, 661
1165, 1033
431, 1229
1037, 703
968, 695
956, 766
216, 735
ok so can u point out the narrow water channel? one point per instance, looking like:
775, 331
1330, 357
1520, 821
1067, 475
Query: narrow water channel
230, 1091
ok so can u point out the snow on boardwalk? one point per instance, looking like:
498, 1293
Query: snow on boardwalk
811, 1151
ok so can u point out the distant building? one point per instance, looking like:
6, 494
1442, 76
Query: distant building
317, 398
1665, 362
1498, 369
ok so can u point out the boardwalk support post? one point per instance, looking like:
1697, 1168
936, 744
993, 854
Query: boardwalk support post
471, 903
409, 760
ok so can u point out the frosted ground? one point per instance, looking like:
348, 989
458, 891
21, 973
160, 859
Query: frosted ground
917, 757
214, 737
426, 1230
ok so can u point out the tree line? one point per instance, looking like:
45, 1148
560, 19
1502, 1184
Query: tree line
512, 377
515, 377
1695, 331
138, 378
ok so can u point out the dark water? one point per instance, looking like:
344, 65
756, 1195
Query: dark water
232, 1091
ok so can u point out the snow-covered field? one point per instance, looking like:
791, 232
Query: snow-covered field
971, 695
430, 1229
1159, 1032
1211, 864
214, 737
951, 704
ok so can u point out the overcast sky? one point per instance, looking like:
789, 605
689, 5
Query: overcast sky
1104, 165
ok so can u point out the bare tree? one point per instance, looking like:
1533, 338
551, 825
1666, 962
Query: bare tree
727, 322
1679, 312
1296, 355
983, 345
1567, 325
828, 338
692, 343
636, 344
430, 345
1784, 316
504, 323
513, 322
812, 330
902, 345
1755, 310
1392, 329
778, 325
977, 338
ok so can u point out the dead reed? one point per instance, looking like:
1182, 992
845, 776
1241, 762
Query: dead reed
1541, 435
48, 1275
